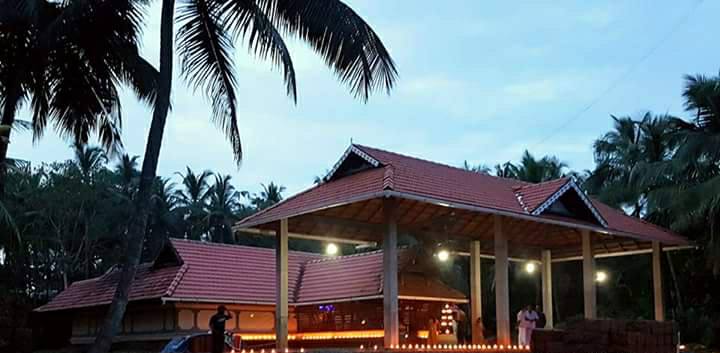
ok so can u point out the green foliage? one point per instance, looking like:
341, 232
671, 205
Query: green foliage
528, 169
71, 217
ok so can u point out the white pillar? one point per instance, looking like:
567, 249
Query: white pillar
589, 288
547, 302
281, 299
475, 292
502, 287
391, 319
657, 281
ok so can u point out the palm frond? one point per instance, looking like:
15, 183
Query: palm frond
205, 51
7, 220
347, 43
247, 20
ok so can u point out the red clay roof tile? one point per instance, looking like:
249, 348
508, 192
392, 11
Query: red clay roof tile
421, 178
219, 273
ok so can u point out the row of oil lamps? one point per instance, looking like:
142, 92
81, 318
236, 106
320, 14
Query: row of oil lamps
435, 347
457, 347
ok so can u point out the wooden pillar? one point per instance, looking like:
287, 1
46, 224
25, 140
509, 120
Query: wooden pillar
547, 296
281, 274
589, 288
391, 320
475, 292
657, 281
502, 287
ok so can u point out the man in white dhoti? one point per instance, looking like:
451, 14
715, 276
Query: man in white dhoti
524, 326
532, 316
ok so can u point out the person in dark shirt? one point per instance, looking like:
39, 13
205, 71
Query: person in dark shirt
217, 327
542, 320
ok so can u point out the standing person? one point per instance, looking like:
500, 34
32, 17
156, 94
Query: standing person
433, 332
524, 326
532, 317
460, 325
217, 327
542, 319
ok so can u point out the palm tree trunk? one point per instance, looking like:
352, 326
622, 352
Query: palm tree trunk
8, 118
137, 229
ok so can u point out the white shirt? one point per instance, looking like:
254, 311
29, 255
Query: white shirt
532, 317
522, 319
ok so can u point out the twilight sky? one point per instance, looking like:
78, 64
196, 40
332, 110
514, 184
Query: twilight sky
479, 80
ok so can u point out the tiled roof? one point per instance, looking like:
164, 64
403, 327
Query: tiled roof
531, 196
148, 284
403, 175
218, 273
233, 273
326, 280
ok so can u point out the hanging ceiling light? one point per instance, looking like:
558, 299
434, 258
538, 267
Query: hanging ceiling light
601, 276
331, 249
443, 255
530, 267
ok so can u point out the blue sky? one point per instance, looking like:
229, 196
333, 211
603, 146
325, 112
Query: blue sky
479, 80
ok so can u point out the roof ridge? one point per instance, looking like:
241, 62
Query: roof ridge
435, 163
341, 257
401, 248
207, 243
265, 210
389, 178
176, 281
528, 185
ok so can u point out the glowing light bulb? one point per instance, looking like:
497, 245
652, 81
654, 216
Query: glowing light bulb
362, 346
331, 249
530, 267
443, 255
601, 276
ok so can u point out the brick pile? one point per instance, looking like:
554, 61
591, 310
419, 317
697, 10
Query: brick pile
617, 336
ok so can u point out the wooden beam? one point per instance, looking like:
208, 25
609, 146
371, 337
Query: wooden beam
657, 281
547, 297
281, 299
322, 238
502, 287
475, 292
391, 320
624, 253
589, 289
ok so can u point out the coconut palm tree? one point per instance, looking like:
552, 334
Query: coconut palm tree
532, 170
205, 38
165, 219
89, 159
688, 199
628, 154
193, 200
224, 206
270, 195
65, 61
127, 169
480, 168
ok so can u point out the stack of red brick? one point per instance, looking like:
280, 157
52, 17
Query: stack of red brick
619, 336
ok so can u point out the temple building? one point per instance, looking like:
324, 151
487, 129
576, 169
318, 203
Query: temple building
335, 301
371, 195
